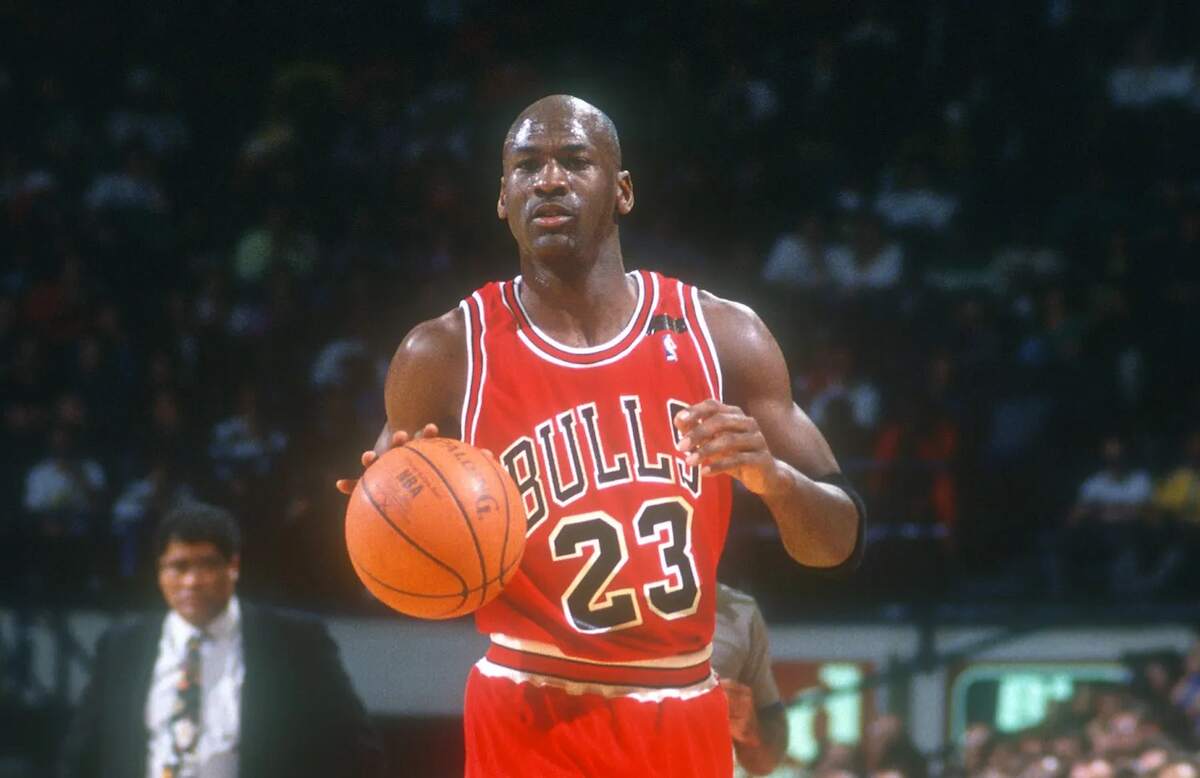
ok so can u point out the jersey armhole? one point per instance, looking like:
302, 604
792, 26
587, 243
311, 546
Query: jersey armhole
476, 328
689, 300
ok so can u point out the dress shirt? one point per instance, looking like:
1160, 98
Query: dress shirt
222, 671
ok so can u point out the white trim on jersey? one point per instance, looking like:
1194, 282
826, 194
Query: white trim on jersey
466, 402
712, 349
585, 350
712, 388
548, 649
563, 363
482, 368
636, 693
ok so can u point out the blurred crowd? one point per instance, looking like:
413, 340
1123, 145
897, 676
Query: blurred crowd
1149, 728
973, 227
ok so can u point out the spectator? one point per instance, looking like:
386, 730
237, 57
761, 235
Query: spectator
139, 506
797, 258
916, 453
840, 400
63, 499
1104, 531
1118, 494
1178, 494
216, 686
279, 244
167, 437
915, 204
147, 118
62, 492
1185, 694
869, 262
244, 448
1145, 80
134, 188
888, 750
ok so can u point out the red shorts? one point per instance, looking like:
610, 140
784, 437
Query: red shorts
525, 729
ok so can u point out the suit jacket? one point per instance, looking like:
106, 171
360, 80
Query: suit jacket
300, 716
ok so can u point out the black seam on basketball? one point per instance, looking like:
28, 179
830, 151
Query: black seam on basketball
466, 592
466, 520
446, 613
500, 479
398, 590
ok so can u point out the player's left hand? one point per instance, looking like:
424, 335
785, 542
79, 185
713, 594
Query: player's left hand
743, 721
724, 439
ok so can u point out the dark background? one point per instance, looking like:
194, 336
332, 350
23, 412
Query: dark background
216, 225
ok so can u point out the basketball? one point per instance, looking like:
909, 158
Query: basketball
435, 528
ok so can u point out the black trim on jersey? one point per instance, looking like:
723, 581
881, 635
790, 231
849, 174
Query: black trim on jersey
665, 321
851, 562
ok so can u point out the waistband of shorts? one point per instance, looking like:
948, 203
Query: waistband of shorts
542, 659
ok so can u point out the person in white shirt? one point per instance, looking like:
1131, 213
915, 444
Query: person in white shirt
797, 258
1103, 537
870, 263
216, 687
1116, 493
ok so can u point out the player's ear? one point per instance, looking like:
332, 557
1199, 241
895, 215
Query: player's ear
502, 203
624, 192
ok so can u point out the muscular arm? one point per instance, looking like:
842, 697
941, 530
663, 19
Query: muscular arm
424, 389
425, 381
777, 451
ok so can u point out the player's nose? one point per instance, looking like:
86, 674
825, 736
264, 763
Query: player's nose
552, 179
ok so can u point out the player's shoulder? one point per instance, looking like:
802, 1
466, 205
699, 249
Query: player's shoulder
742, 340
435, 338
730, 314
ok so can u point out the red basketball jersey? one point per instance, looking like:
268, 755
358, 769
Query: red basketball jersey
618, 581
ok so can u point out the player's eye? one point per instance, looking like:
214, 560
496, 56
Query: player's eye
577, 163
527, 165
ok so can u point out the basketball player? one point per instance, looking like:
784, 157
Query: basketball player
623, 404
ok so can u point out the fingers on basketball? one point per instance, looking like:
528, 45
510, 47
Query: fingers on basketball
435, 529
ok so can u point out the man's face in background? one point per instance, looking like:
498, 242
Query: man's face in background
196, 580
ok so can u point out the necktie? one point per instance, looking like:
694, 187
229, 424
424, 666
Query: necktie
184, 723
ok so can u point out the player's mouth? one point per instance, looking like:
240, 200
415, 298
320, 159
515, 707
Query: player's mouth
551, 215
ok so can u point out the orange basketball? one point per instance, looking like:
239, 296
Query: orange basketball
435, 528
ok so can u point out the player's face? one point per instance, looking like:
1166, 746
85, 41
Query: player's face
561, 190
196, 580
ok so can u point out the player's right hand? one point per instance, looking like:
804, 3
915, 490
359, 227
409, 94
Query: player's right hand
346, 485
743, 721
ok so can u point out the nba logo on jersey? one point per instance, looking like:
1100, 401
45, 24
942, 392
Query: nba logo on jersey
670, 347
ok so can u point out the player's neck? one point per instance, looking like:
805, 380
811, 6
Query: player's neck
583, 308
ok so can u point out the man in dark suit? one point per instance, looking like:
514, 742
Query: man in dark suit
216, 688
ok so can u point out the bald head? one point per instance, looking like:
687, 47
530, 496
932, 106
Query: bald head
566, 112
